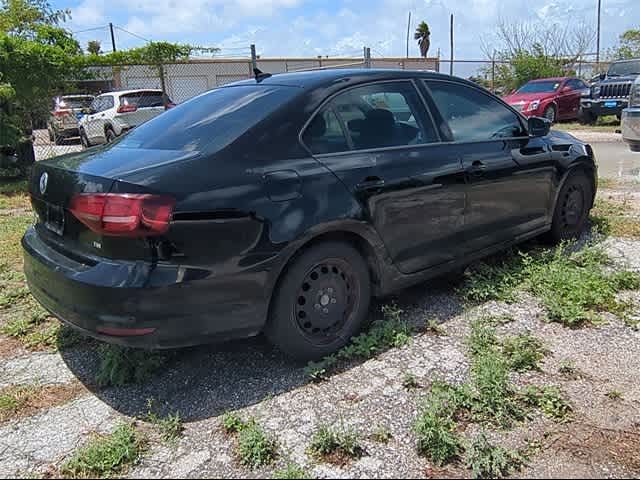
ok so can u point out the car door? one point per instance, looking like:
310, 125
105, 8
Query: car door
578, 87
410, 187
509, 174
94, 122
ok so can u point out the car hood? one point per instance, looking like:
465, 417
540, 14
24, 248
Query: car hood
527, 97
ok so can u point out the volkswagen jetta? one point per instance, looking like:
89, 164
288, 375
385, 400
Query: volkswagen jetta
282, 204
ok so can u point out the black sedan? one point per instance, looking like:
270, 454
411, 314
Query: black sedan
281, 204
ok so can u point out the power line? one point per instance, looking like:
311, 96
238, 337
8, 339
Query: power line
133, 34
90, 29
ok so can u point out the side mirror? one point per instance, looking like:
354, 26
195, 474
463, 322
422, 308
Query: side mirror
538, 127
602, 76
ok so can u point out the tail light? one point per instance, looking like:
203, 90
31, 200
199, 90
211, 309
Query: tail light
127, 108
61, 113
123, 215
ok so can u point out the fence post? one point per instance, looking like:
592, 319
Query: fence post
254, 58
367, 57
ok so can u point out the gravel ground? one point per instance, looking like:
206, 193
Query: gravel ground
249, 377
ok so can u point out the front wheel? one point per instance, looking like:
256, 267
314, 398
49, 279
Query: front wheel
572, 208
550, 113
321, 301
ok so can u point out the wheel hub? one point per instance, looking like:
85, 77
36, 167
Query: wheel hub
573, 207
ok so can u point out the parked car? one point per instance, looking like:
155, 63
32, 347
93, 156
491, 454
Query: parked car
257, 207
551, 98
610, 95
631, 118
63, 120
112, 114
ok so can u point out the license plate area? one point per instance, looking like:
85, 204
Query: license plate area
610, 104
54, 218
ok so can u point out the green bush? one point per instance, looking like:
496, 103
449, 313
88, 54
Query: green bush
120, 366
255, 447
489, 461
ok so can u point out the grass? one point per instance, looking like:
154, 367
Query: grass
607, 123
435, 328
106, 455
24, 400
567, 368
614, 395
489, 461
291, 471
121, 366
169, 427
614, 218
335, 445
381, 336
381, 434
232, 423
410, 382
255, 447
495, 279
524, 352
13, 194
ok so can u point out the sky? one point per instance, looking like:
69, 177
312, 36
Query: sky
330, 27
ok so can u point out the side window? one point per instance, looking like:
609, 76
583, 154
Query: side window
95, 105
473, 115
385, 115
324, 134
577, 84
108, 102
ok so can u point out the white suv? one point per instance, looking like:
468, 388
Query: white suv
631, 118
111, 114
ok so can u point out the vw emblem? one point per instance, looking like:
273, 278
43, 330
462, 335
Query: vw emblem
44, 179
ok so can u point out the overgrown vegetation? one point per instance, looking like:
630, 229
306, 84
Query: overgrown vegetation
255, 447
381, 434
615, 218
391, 332
292, 471
170, 427
410, 382
121, 366
22, 400
106, 455
335, 445
550, 401
523, 352
490, 461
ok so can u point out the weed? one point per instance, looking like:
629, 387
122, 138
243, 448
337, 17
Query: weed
483, 337
21, 400
611, 218
523, 352
490, 461
435, 426
410, 382
497, 280
120, 366
567, 368
232, 423
550, 401
614, 395
328, 442
434, 327
381, 434
292, 471
106, 455
381, 336
255, 447
170, 427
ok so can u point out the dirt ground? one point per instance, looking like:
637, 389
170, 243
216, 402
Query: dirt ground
601, 440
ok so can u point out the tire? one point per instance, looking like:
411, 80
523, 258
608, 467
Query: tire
51, 137
321, 301
550, 113
586, 117
109, 134
572, 207
84, 140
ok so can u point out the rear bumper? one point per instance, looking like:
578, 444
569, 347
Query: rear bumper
631, 126
601, 107
173, 306
67, 131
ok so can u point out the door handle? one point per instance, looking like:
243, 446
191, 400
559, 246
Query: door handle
477, 169
370, 183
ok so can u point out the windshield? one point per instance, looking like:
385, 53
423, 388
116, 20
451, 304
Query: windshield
540, 87
211, 120
624, 68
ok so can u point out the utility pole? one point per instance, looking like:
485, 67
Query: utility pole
598, 38
451, 62
113, 37
408, 30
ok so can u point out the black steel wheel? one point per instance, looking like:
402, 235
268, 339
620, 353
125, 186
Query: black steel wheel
321, 301
572, 207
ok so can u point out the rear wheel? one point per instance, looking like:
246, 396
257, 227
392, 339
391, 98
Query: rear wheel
321, 301
110, 135
586, 117
84, 140
550, 113
572, 207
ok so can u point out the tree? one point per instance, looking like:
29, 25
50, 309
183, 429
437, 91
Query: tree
94, 47
423, 36
629, 45
22, 16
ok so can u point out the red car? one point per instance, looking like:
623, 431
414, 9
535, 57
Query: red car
552, 98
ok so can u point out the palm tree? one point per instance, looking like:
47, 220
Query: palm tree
423, 36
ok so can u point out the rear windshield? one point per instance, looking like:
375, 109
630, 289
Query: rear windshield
539, 87
209, 121
143, 99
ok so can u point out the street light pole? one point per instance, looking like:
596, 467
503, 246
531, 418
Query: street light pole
598, 37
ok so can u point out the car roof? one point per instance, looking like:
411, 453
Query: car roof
317, 78
553, 79
76, 95
125, 92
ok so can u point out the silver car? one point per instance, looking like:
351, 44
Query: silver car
631, 119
